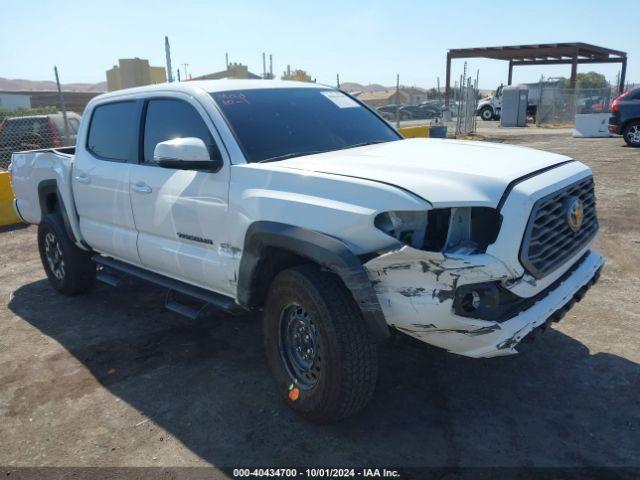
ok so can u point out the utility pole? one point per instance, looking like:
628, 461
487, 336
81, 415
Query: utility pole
264, 65
178, 72
226, 61
186, 76
167, 51
338, 80
398, 100
271, 66
63, 107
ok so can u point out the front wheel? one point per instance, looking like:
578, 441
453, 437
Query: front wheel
318, 346
69, 269
631, 134
486, 113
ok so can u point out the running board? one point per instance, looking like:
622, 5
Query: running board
109, 278
216, 300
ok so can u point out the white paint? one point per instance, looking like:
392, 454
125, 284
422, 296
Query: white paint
444, 172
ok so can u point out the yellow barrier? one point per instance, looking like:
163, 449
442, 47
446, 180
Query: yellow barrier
8, 215
415, 131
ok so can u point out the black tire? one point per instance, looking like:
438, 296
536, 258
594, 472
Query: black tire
345, 363
631, 133
486, 113
78, 272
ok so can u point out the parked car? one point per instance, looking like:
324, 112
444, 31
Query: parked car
388, 112
36, 131
294, 200
423, 111
625, 117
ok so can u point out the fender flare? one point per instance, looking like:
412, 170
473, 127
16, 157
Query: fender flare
328, 252
45, 188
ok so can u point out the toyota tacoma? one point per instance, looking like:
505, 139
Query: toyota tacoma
297, 200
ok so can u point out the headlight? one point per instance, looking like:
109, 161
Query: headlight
472, 229
406, 226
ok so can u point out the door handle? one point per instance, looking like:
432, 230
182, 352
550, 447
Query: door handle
141, 187
83, 179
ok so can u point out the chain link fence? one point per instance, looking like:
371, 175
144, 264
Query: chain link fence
559, 106
35, 128
466, 118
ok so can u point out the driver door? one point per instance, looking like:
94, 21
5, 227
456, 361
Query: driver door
180, 215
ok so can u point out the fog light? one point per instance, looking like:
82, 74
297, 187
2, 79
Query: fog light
470, 301
479, 300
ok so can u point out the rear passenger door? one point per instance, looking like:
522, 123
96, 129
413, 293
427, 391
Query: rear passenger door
100, 179
180, 215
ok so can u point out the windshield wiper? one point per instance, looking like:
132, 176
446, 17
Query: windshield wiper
289, 155
363, 144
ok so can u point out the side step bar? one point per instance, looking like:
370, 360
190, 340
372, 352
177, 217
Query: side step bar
216, 300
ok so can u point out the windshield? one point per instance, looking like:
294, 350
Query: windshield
275, 123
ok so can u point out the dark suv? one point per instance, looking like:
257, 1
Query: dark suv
36, 131
625, 117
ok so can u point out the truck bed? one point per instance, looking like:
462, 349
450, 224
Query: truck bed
39, 172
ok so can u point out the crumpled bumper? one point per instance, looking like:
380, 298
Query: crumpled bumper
416, 291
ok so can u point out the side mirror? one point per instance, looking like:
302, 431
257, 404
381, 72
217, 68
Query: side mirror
189, 153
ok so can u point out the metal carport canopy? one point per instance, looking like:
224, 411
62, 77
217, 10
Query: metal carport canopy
542, 54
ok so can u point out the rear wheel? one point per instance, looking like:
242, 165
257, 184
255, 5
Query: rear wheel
318, 346
631, 134
69, 269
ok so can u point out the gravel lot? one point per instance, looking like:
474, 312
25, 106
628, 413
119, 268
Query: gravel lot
109, 379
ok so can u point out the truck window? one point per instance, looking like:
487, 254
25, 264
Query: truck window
113, 132
167, 119
274, 122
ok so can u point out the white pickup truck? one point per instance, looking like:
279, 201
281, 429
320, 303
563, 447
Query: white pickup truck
297, 200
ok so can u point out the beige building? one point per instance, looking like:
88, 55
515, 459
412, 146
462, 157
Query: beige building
382, 98
134, 72
414, 95
234, 70
297, 75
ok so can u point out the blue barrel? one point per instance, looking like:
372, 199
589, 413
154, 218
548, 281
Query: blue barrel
438, 131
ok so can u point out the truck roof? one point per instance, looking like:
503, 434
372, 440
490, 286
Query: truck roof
211, 86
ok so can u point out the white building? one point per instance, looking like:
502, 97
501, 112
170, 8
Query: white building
11, 100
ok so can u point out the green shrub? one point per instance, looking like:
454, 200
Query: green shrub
24, 112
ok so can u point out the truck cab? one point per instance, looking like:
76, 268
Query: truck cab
489, 107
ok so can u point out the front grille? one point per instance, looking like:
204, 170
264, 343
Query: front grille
549, 241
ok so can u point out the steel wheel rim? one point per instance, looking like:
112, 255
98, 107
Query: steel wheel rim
486, 114
299, 346
53, 254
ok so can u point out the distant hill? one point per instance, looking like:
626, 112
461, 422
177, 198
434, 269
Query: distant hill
47, 85
356, 87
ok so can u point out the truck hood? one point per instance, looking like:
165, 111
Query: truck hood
444, 172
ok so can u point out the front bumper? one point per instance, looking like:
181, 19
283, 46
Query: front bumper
416, 290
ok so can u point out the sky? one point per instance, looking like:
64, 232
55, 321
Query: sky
362, 41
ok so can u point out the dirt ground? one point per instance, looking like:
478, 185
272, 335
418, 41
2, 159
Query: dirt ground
109, 379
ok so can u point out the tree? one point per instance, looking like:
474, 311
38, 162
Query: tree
432, 93
590, 80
